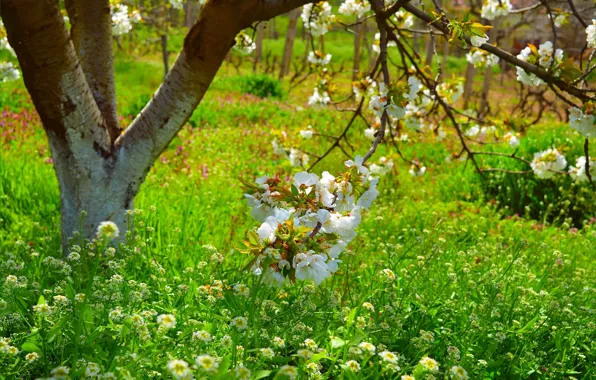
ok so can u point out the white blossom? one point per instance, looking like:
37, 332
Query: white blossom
591, 34
492, 9
177, 4
356, 8
477, 41
546, 163
317, 18
244, 44
120, 21
8, 72
584, 124
578, 172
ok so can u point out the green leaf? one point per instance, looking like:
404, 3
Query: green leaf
337, 342
295, 191
261, 374
30, 347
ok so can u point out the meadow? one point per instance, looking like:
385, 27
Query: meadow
451, 275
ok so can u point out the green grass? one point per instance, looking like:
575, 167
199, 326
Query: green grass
442, 265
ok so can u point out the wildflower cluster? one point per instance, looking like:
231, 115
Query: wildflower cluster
306, 225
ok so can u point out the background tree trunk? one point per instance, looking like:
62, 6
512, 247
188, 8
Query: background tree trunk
191, 12
357, 45
468, 84
164, 53
258, 55
289, 46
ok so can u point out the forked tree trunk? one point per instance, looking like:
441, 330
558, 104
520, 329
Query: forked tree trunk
289, 45
100, 172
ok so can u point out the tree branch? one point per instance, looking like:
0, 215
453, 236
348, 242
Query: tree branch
91, 33
507, 57
205, 48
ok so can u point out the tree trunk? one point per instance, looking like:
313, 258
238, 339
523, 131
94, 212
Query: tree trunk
259, 46
444, 58
357, 46
164, 53
468, 84
289, 46
430, 50
96, 174
191, 10
91, 33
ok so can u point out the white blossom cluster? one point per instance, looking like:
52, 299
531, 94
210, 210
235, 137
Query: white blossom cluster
317, 18
382, 102
383, 167
356, 8
4, 45
492, 9
542, 57
318, 58
244, 44
451, 91
376, 46
591, 34
584, 124
559, 19
308, 224
512, 139
548, 162
363, 85
8, 72
122, 20
320, 96
177, 4
578, 172
296, 157
403, 19
481, 59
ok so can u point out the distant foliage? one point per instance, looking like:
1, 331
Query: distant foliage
262, 86
557, 200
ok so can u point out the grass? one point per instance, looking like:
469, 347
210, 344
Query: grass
445, 266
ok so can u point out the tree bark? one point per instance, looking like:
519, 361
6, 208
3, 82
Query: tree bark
286, 60
91, 33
